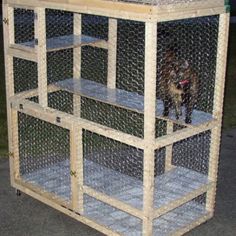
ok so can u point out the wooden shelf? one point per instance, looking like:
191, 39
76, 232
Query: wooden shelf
127, 100
62, 42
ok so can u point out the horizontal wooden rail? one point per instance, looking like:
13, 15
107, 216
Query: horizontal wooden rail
183, 134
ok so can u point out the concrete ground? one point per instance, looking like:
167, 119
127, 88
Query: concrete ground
24, 216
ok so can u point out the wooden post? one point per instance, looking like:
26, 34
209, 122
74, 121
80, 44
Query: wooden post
8, 29
76, 132
149, 125
112, 51
40, 44
218, 108
169, 149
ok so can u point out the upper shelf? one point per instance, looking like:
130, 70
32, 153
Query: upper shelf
63, 42
124, 99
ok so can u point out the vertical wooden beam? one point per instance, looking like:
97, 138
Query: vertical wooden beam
112, 53
40, 39
77, 61
218, 108
149, 125
76, 132
169, 149
8, 30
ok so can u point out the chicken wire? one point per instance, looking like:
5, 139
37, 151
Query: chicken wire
44, 150
25, 75
186, 66
190, 163
125, 224
23, 25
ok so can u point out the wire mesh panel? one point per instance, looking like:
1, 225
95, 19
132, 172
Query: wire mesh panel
25, 75
113, 168
190, 162
24, 26
44, 154
111, 217
186, 67
181, 217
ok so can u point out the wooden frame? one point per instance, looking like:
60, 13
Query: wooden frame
151, 15
141, 12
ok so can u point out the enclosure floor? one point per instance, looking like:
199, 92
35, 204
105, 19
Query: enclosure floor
126, 224
121, 98
169, 187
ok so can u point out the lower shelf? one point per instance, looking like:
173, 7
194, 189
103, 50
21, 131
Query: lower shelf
126, 224
169, 187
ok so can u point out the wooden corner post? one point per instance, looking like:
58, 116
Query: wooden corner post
76, 134
9, 38
218, 108
149, 125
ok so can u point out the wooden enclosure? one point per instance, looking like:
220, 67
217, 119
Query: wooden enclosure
91, 129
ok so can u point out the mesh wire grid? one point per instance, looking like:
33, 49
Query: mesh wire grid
180, 217
44, 153
186, 65
113, 168
23, 25
25, 75
126, 224
190, 163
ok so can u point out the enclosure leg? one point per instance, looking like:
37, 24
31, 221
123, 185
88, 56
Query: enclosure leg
149, 125
9, 38
218, 108
76, 133
18, 192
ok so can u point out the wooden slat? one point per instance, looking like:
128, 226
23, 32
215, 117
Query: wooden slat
19, 53
126, 10
77, 189
8, 31
149, 125
40, 34
113, 202
112, 48
38, 196
218, 107
183, 134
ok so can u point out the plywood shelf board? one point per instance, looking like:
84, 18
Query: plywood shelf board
61, 42
124, 99
169, 187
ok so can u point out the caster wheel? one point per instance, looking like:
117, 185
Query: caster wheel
18, 192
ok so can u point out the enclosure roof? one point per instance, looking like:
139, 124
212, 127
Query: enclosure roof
160, 10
